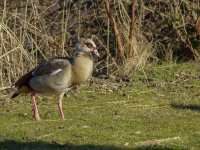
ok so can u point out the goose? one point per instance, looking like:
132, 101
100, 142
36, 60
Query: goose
56, 76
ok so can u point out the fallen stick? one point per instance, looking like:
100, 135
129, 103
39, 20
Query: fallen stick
158, 141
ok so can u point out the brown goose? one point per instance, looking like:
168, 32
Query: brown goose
56, 76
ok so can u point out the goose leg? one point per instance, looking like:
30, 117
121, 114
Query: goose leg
35, 108
60, 108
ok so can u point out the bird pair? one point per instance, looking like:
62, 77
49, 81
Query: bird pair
57, 75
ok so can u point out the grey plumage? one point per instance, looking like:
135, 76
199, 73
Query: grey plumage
52, 76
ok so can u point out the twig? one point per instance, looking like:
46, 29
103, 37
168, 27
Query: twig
46, 135
4, 88
12, 50
158, 141
147, 106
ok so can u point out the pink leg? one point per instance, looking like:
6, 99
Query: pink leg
35, 108
60, 106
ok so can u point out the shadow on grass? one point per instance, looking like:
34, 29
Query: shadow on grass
14, 145
192, 107
40, 145
156, 147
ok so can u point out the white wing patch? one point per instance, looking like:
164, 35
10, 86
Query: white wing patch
56, 72
33, 73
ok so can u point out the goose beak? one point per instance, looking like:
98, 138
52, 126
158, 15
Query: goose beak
95, 51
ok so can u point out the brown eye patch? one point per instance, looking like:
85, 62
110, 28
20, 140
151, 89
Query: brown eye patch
89, 45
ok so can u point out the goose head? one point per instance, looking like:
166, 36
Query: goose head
87, 46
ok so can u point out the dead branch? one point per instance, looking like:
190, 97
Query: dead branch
120, 51
197, 26
131, 32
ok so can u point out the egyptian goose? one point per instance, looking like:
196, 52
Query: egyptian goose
57, 75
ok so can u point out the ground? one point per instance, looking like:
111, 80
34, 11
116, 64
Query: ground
158, 110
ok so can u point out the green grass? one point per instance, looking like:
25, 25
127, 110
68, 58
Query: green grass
159, 110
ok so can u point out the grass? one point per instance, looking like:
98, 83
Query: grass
156, 111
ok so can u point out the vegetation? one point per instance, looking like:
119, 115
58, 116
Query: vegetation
160, 112
128, 33
147, 92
